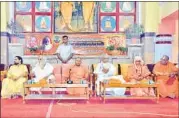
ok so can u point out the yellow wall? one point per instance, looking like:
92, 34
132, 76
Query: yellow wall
168, 8
153, 12
3, 16
150, 16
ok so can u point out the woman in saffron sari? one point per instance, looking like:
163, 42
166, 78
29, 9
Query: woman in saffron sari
139, 73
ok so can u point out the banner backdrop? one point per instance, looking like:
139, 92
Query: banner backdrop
87, 45
48, 44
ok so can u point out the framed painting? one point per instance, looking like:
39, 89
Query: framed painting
43, 6
107, 7
25, 21
127, 7
108, 24
32, 44
75, 17
125, 22
42, 23
23, 6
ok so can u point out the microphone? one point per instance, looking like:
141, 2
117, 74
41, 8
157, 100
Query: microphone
61, 73
70, 81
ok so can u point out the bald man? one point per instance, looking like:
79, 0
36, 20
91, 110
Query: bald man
166, 77
78, 73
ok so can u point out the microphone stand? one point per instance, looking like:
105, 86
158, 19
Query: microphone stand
61, 78
61, 73
69, 79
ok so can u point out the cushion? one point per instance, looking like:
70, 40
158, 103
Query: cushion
116, 66
2, 67
43, 81
57, 72
65, 69
114, 81
57, 69
150, 67
124, 70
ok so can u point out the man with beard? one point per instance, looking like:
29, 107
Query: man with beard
42, 71
12, 86
105, 71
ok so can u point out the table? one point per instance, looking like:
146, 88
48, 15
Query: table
28, 96
106, 85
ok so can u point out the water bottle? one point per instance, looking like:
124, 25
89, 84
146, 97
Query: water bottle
33, 81
29, 82
151, 82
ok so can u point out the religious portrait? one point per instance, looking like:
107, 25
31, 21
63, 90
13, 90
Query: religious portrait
108, 24
117, 40
127, 7
31, 41
107, 6
25, 21
46, 43
42, 23
43, 6
73, 17
125, 22
32, 45
23, 6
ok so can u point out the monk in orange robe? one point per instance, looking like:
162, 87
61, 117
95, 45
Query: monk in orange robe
166, 77
139, 73
78, 73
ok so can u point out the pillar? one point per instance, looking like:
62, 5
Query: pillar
150, 12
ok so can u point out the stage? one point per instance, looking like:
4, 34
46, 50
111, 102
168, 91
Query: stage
95, 108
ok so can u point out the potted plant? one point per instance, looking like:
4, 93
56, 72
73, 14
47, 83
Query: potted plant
110, 50
15, 29
133, 32
123, 50
33, 48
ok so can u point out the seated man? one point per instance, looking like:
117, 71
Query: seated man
166, 77
105, 71
139, 73
12, 86
42, 71
78, 74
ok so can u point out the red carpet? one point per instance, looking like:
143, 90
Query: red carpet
95, 108
16, 109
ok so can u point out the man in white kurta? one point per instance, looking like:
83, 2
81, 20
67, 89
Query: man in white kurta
65, 51
42, 70
106, 71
